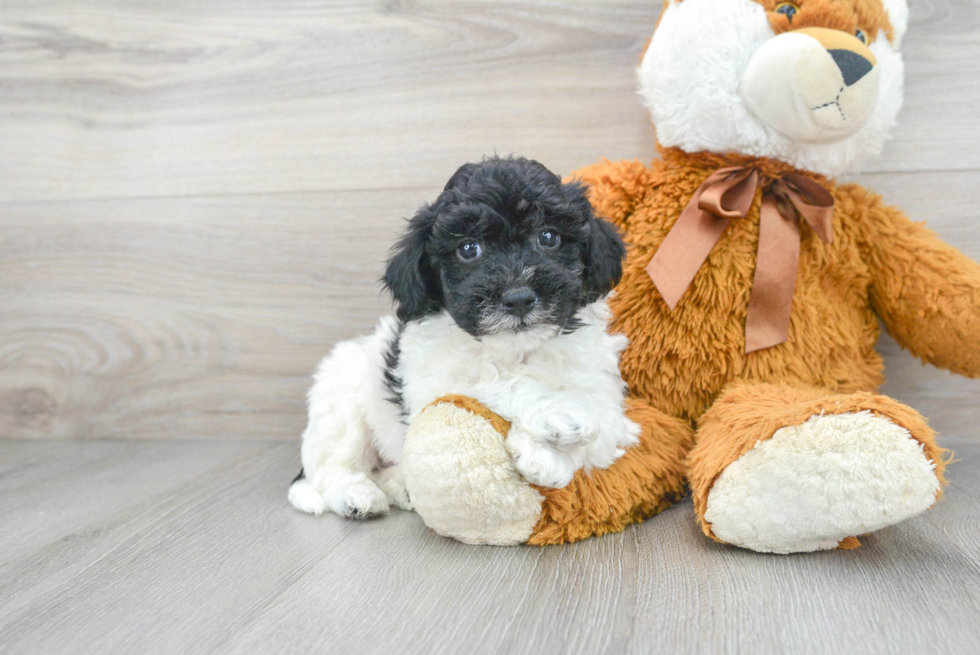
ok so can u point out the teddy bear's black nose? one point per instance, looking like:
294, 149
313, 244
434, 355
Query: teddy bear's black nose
518, 301
852, 65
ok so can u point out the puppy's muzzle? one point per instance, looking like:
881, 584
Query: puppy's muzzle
813, 85
519, 302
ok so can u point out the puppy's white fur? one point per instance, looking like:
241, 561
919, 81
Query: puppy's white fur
562, 393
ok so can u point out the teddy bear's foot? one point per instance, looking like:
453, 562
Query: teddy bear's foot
465, 485
812, 485
461, 479
785, 470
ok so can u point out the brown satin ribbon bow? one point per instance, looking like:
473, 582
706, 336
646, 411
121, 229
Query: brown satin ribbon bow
728, 194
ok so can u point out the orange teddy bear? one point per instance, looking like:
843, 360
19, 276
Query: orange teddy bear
751, 297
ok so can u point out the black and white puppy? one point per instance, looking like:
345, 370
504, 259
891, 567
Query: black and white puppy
500, 288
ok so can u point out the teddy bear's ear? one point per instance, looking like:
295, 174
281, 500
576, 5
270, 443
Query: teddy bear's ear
603, 247
409, 277
898, 16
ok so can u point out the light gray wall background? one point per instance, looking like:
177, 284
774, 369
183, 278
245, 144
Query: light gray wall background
196, 197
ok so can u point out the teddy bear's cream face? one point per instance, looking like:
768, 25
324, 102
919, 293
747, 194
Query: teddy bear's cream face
815, 83
812, 85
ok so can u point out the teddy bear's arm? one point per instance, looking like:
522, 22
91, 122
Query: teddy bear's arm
616, 187
926, 292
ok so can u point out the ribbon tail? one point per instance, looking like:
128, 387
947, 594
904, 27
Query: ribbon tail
684, 250
726, 194
813, 202
771, 300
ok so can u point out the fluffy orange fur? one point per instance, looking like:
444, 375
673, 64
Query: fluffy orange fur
680, 360
844, 15
646, 480
879, 264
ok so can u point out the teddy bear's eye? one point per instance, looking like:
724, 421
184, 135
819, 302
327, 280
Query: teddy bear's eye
862, 37
787, 9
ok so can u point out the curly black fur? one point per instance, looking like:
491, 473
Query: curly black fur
504, 205
392, 382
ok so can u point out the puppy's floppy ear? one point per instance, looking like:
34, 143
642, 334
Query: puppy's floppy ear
603, 247
409, 278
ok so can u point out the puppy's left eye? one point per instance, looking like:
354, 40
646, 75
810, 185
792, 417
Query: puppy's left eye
469, 251
861, 36
549, 239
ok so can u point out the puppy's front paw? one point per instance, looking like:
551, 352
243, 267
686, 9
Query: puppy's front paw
565, 427
538, 463
359, 500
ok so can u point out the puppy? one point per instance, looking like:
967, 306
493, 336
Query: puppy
500, 287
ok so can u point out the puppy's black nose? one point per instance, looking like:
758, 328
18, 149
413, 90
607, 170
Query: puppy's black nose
518, 301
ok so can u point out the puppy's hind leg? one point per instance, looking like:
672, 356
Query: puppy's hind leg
392, 482
337, 463
304, 497
337, 453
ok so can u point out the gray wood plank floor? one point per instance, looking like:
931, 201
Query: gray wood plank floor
195, 202
190, 547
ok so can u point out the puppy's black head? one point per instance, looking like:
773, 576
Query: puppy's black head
506, 247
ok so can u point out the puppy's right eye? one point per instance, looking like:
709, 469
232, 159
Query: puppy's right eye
549, 239
469, 251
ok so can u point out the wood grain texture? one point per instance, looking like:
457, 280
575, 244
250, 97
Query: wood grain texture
200, 317
218, 98
196, 197
129, 99
183, 318
215, 561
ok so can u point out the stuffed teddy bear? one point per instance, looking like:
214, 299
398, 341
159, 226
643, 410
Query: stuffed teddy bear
751, 297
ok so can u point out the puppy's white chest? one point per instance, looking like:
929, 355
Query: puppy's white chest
438, 359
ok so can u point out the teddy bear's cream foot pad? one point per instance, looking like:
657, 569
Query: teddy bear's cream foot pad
491, 503
463, 482
812, 485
